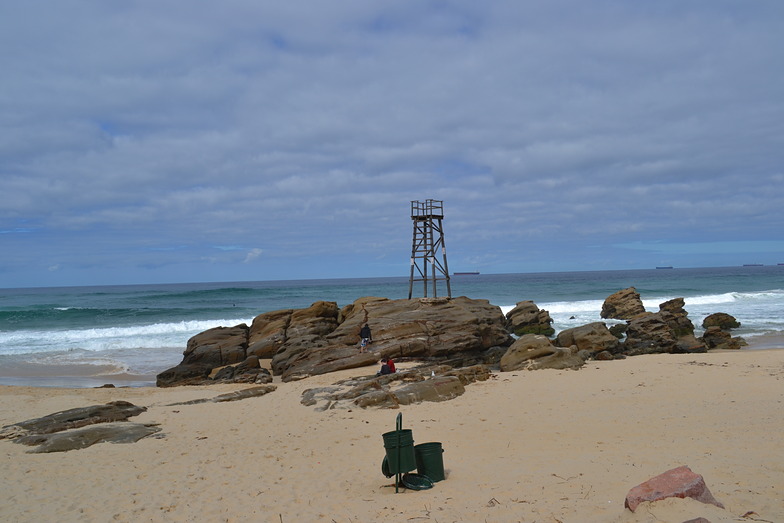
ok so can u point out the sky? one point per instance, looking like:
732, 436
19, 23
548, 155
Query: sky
242, 140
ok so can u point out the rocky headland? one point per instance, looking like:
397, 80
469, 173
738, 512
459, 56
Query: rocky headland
452, 333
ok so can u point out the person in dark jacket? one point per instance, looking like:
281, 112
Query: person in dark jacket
387, 367
365, 338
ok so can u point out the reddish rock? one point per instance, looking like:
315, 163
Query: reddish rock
679, 482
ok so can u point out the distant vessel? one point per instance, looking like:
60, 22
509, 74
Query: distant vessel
665, 267
752, 265
472, 273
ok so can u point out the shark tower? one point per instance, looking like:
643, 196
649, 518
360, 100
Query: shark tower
428, 252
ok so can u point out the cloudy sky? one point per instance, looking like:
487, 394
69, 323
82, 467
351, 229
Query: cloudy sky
179, 140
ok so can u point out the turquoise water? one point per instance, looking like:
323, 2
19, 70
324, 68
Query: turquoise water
143, 329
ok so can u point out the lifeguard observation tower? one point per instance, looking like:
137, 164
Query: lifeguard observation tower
427, 265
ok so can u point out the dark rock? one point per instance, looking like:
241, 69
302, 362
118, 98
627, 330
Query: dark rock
73, 418
619, 330
527, 318
689, 344
535, 352
80, 427
593, 337
679, 482
717, 338
722, 320
649, 334
184, 374
623, 305
675, 315
116, 432
205, 351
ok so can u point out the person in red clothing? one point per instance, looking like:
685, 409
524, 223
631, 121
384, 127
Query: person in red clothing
387, 367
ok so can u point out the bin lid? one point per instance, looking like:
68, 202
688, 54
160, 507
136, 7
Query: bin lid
416, 481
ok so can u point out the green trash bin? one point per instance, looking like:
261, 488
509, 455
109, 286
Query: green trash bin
430, 460
399, 442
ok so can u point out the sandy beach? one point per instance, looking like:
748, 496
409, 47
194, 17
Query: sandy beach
523, 446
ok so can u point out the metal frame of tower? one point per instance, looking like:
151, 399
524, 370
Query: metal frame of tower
428, 240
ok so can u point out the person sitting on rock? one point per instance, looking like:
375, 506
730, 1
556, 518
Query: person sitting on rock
387, 367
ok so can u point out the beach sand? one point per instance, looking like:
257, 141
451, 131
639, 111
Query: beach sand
542, 446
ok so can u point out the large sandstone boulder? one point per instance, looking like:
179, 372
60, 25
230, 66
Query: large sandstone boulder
534, 352
268, 333
623, 305
594, 337
306, 330
675, 315
722, 320
322, 338
205, 351
649, 334
717, 338
527, 318
423, 328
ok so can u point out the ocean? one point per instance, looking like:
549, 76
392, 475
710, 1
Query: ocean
77, 336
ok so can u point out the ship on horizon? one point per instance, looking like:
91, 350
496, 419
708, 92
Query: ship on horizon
469, 273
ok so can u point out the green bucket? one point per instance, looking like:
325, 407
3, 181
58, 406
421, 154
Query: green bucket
430, 460
400, 444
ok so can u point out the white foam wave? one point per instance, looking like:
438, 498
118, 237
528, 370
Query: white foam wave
112, 338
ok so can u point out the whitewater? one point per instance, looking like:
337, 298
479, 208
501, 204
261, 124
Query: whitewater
140, 330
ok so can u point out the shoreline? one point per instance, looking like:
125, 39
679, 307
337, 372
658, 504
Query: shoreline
92, 376
541, 445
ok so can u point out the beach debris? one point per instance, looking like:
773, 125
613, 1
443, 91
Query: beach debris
72, 419
679, 482
80, 428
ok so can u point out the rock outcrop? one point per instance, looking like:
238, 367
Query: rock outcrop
679, 482
427, 383
717, 338
534, 352
594, 337
623, 305
721, 320
527, 318
323, 338
80, 428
